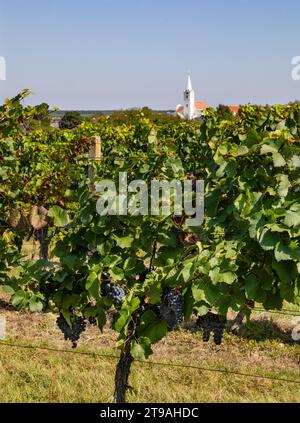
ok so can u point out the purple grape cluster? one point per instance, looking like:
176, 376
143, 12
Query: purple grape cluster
114, 292
211, 322
73, 332
172, 309
93, 320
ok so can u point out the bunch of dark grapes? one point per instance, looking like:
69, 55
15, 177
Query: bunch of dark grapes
93, 320
211, 322
46, 289
114, 293
73, 332
172, 310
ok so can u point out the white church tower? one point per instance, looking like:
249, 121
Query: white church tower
190, 109
189, 101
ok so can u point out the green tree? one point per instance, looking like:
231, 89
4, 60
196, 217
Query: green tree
70, 120
133, 117
224, 112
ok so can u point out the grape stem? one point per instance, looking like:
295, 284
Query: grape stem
154, 248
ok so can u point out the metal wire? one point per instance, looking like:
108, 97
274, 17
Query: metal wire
152, 363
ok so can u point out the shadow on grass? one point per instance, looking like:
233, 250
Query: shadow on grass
6, 305
260, 330
266, 329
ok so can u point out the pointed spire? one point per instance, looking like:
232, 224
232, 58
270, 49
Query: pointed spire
189, 84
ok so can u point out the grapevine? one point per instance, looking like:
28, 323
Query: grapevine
246, 251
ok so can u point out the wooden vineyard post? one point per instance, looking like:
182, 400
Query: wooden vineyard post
95, 155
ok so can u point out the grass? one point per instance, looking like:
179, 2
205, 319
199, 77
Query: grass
57, 377
37, 375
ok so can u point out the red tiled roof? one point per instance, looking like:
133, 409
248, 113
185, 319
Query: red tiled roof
234, 109
201, 105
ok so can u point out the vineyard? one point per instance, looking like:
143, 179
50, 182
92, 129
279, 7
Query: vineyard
146, 279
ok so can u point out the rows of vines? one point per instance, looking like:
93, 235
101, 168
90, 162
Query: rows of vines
151, 272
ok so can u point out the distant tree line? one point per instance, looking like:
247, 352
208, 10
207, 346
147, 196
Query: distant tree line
132, 116
73, 119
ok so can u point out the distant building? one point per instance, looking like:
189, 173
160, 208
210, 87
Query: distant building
234, 109
55, 121
190, 109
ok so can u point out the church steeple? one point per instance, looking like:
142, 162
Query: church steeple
189, 84
190, 109
189, 100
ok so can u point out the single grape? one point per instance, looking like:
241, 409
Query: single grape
205, 335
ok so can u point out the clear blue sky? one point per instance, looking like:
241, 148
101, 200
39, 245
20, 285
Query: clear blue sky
108, 54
